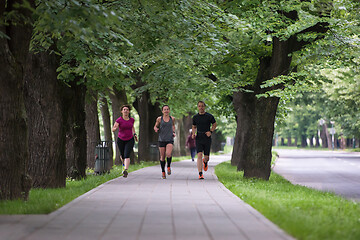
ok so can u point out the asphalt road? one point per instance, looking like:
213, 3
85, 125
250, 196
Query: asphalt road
334, 171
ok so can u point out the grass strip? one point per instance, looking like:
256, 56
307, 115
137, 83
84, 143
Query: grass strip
44, 201
302, 212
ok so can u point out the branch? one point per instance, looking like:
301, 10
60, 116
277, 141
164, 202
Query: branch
320, 27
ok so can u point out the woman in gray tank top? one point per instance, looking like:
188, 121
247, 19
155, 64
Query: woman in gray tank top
165, 126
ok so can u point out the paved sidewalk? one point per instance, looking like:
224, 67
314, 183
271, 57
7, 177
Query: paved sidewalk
144, 206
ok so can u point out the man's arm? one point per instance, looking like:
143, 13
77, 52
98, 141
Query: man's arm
213, 127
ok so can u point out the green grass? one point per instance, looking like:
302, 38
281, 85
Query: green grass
43, 201
302, 212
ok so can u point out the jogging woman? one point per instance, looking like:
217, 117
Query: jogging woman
165, 125
126, 136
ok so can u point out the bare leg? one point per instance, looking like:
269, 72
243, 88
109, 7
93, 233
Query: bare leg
162, 159
162, 153
199, 161
127, 163
169, 149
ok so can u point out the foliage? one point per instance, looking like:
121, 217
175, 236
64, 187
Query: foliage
86, 35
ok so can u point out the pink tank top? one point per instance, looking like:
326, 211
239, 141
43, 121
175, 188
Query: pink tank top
125, 128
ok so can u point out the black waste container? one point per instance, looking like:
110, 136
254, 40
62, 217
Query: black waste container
154, 152
102, 157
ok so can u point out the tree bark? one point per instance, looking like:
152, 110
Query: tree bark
323, 136
317, 140
118, 98
328, 136
45, 107
14, 181
76, 134
92, 126
148, 112
289, 141
256, 116
238, 140
255, 130
104, 108
177, 140
311, 141
217, 140
303, 141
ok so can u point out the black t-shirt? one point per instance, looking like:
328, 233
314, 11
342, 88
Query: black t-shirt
203, 122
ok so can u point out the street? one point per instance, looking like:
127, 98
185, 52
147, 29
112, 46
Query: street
334, 171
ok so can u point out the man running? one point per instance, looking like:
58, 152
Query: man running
201, 123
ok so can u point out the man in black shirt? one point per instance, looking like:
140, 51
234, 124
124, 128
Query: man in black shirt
201, 123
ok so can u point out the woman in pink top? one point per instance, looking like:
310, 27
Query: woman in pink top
126, 135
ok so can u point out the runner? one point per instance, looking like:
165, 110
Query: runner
165, 125
190, 143
201, 123
126, 135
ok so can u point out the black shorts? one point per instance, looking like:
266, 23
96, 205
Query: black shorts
203, 144
163, 144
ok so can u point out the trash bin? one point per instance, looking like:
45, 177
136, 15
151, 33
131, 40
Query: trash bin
154, 152
102, 157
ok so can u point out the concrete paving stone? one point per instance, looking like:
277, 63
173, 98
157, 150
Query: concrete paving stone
144, 206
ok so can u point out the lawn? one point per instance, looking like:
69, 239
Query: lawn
302, 212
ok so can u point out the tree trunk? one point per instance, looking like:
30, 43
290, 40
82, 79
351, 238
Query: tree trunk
323, 136
104, 108
217, 140
256, 115
148, 112
317, 140
235, 155
256, 118
289, 141
312, 141
303, 141
92, 126
14, 181
328, 136
183, 136
118, 98
76, 134
177, 140
45, 107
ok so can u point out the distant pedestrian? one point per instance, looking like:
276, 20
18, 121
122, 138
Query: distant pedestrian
165, 125
191, 145
202, 132
126, 136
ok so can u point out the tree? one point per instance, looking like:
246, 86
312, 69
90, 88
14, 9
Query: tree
270, 52
91, 126
47, 115
15, 34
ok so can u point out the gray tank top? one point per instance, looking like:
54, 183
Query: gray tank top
166, 131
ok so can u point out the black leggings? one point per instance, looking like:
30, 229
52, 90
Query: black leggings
125, 147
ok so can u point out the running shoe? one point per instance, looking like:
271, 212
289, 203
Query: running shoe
169, 170
125, 173
201, 176
163, 175
205, 165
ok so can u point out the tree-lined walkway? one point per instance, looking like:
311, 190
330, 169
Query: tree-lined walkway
144, 206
